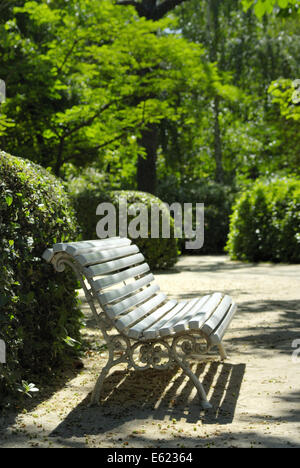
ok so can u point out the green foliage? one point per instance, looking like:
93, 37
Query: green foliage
39, 309
265, 222
262, 7
255, 139
159, 253
217, 201
286, 93
90, 77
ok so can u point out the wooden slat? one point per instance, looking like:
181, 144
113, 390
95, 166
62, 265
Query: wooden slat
154, 331
123, 306
183, 323
217, 335
115, 278
48, 255
167, 328
80, 245
106, 255
132, 317
104, 268
118, 293
138, 329
198, 320
214, 320
80, 248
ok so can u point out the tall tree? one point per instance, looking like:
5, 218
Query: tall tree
150, 136
255, 52
88, 80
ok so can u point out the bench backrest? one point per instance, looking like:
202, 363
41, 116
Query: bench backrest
107, 264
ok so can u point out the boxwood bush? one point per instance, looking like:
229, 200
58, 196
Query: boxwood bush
39, 309
265, 222
159, 253
217, 199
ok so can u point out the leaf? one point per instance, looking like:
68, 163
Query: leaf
9, 200
70, 341
283, 3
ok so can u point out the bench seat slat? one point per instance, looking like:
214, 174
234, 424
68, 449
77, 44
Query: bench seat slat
153, 331
48, 255
167, 328
115, 278
217, 335
213, 322
183, 324
123, 306
206, 311
129, 319
119, 293
104, 268
104, 244
138, 329
106, 255
73, 248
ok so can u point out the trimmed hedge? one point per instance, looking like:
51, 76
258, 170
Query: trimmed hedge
217, 199
159, 253
265, 223
39, 309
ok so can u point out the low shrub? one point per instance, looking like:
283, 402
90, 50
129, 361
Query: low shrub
265, 222
217, 199
39, 309
160, 253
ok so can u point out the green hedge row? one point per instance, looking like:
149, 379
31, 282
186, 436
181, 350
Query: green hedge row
39, 309
265, 223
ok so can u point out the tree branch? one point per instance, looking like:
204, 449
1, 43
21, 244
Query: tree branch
150, 9
138, 6
89, 121
59, 69
167, 6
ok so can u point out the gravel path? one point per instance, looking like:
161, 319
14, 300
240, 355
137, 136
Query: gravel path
255, 393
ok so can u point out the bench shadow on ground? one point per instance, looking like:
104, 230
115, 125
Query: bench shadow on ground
163, 396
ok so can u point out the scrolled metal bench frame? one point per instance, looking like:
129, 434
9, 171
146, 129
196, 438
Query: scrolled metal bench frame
158, 353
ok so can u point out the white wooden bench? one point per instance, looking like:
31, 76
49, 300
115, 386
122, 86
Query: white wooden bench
139, 324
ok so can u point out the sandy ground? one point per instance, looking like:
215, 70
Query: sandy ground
255, 393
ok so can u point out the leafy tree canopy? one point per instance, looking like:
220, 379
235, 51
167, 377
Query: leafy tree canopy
92, 75
262, 7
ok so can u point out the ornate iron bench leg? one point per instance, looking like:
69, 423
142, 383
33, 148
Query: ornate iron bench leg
187, 346
222, 351
114, 345
187, 370
98, 387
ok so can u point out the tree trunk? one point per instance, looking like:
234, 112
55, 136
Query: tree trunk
146, 166
219, 175
214, 34
58, 162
